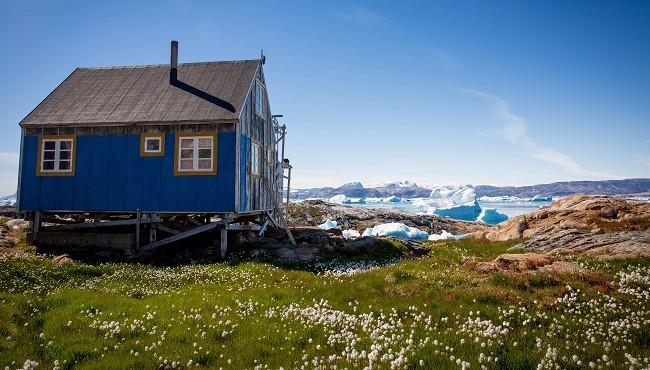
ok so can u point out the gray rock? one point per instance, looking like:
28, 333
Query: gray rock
611, 245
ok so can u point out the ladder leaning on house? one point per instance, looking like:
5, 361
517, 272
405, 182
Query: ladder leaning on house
281, 172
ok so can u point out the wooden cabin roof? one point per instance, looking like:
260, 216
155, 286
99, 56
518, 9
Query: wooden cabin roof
143, 94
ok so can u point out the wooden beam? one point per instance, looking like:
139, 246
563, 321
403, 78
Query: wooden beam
131, 221
181, 236
167, 229
244, 227
263, 227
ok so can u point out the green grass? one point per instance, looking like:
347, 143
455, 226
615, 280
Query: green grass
243, 315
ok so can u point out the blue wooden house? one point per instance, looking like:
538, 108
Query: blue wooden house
143, 145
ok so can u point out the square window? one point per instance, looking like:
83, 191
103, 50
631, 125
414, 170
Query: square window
196, 154
152, 144
56, 155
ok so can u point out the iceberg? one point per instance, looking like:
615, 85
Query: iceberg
397, 230
457, 202
444, 235
351, 234
328, 225
9, 200
491, 216
540, 198
390, 199
497, 199
342, 199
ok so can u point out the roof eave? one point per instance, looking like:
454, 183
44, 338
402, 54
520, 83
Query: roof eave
121, 124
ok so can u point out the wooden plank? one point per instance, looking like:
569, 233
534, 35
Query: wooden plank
122, 242
132, 221
239, 227
180, 236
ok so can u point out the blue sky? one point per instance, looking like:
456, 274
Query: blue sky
499, 92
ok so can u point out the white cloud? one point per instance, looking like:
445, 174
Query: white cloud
360, 14
515, 130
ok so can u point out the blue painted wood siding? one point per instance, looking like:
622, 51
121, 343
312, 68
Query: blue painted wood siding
112, 176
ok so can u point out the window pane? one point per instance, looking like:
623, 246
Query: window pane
66, 144
153, 144
49, 145
205, 142
205, 153
205, 164
65, 154
48, 154
187, 143
64, 165
48, 165
187, 153
186, 164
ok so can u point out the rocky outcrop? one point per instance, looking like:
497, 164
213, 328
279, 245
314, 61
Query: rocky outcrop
315, 244
526, 262
606, 227
602, 245
580, 212
315, 212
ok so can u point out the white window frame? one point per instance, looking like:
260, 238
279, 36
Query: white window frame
57, 155
151, 138
146, 137
255, 159
260, 101
195, 154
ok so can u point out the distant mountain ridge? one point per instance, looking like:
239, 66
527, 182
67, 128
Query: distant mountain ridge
406, 189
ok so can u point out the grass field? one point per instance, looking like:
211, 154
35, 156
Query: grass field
427, 313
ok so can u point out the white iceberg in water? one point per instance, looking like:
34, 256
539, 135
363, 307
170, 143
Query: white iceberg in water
397, 230
444, 235
328, 225
457, 202
491, 216
390, 199
351, 234
342, 199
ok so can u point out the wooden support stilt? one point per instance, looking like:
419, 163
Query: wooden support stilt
224, 241
137, 232
36, 223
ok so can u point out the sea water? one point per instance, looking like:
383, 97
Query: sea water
511, 208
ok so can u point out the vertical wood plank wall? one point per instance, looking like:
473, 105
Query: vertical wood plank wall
255, 191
